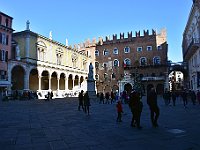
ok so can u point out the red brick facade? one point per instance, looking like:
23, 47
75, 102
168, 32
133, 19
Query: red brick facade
147, 56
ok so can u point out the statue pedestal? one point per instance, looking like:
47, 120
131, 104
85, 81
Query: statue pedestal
91, 89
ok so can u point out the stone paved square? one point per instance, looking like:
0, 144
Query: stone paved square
58, 125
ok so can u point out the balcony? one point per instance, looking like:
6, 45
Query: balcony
161, 78
191, 48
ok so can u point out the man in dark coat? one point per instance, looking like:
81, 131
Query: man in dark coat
154, 109
136, 108
80, 99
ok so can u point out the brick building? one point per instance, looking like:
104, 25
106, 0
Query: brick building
120, 61
5, 50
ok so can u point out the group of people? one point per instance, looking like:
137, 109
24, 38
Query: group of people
84, 102
136, 107
108, 98
185, 95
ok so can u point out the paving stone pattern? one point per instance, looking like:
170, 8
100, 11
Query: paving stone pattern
58, 125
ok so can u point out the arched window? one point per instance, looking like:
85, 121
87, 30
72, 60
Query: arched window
105, 52
143, 61
105, 76
127, 62
96, 53
156, 60
115, 51
97, 77
96, 64
116, 63
0, 19
127, 49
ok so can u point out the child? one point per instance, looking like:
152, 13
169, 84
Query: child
119, 111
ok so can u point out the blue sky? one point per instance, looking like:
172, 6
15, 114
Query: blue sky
78, 20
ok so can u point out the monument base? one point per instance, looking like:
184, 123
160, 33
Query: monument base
91, 89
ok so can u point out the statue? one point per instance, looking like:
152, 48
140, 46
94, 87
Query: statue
90, 74
27, 25
50, 35
17, 51
66, 41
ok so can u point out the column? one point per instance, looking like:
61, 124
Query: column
39, 78
73, 80
58, 79
26, 81
79, 82
49, 83
66, 84
27, 45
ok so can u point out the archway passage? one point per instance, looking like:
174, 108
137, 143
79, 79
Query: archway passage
17, 78
45, 80
70, 82
128, 88
62, 81
54, 81
33, 80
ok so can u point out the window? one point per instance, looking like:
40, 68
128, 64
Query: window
2, 75
113, 76
97, 77
149, 48
127, 62
156, 60
3, 38
6, 22
0, 38
159, 47
127, 49
115, 51
96, 64
139, 49
0, 19
2, 55
7, 37
143, 61
96, 53
105, 52
105, 76
116, 63
59, 60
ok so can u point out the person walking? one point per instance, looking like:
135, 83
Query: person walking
136, 108
154, 109
198, 96
184, 95
86, 100
80, 99
101, 99
119, 111
174, 98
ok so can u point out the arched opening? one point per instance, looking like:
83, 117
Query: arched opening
17, 78
54, 81
62, 81
45, 80
70, 82
76, 80
160, 89
33, 80
128, 88
81, 80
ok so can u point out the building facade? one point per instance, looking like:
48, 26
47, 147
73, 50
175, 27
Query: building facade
123, 62
191, 46
5, 50
42, 64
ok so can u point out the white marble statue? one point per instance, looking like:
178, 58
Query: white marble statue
17, 53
